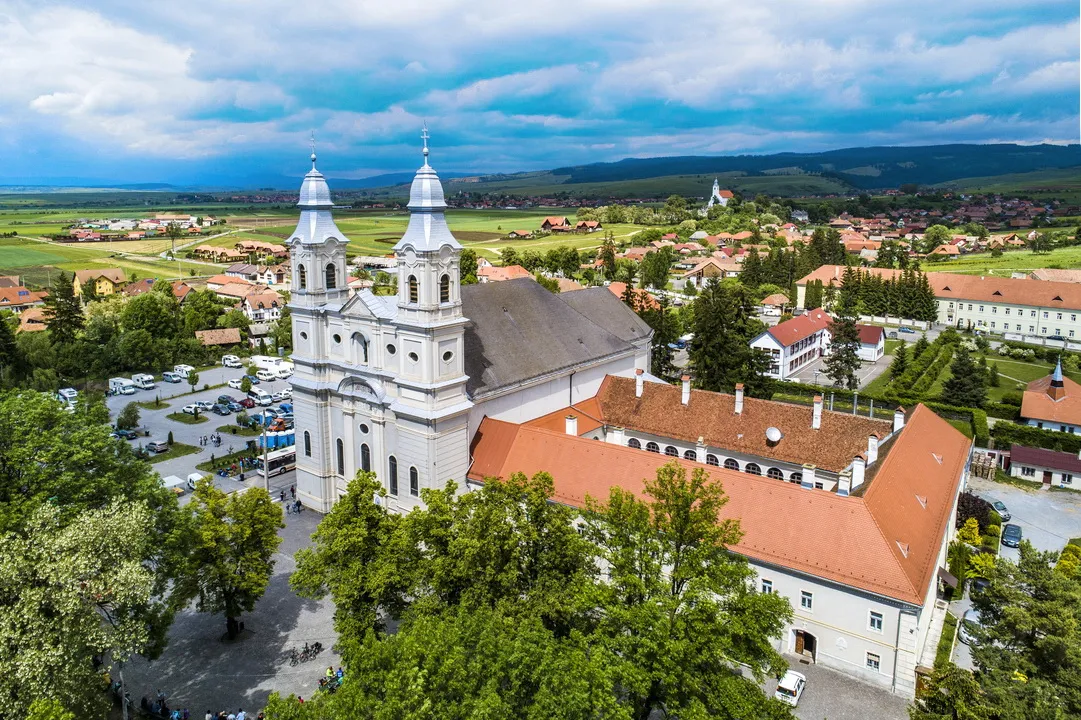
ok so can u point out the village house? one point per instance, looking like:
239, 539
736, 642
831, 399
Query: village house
872, 343
555, 224
588, 226
262, 306
104, 282
711, 267
1052, 403
1050, 467
796, 343
501, 273
19, 299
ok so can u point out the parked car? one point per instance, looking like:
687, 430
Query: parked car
254, 380
907, 330
977, 585
1011, 535
276, 397
158, 446
1000, 508
1056, 337
235, 383
226, 399
126, 434
205, 404
246, 402
183, 370
220, 409
235, 407
192, 409
171, 377
286, 408
231, 361
266, 375
287, 393
892, 334
964, 628
791, 687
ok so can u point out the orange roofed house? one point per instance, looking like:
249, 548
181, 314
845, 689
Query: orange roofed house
847, 517
1053, 403
794, 344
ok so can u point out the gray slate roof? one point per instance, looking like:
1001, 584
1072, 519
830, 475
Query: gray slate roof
518, 331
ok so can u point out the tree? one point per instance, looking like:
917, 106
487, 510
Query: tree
607, 255
920, 347
666, 330
201, 311
467, 264
720, 353
281, 330
128, 417
245, 385
509, 256
951, 693
900, 361
654, 268
193, 379
157, 313
549, 284
235, 538
11, 359
63, 313
76, 589
844, 360
812, 298
967, 386
235, 319
933, 237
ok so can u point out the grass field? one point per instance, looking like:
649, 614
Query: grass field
177, 449
1015, 261
1062, 183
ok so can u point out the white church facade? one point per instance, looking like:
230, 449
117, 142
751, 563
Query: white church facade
399, 384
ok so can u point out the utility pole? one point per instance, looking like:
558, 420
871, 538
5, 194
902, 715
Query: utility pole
266, 470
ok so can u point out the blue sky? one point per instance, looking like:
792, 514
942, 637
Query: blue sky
226, 92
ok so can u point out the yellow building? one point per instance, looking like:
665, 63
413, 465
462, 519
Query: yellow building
105, 282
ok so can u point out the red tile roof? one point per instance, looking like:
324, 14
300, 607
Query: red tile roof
803, 326
1064, 461
507, 272
619, 288
886, 542
870, 334
1038, 403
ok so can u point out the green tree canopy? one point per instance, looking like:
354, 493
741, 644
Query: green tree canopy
467, 264
720, 353
843, 360
155, 312
967, 386
63, 312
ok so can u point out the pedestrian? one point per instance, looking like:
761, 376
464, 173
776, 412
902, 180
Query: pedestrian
185, 715
209, 715
241, 715
282, 496
296, 507
300, 700
293, 491
340, 673
330, 672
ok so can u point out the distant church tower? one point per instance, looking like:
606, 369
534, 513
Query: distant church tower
380, 382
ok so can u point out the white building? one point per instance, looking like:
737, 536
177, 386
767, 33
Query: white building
1049, 467
1052, 403
398, 385
872, 343
796, 343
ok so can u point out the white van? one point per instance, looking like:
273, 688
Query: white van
265, 362
183, 370
230, 361
285, 370
790, 688
67, 395
260, 396
266, 375
143, 381
121, 386
194, 478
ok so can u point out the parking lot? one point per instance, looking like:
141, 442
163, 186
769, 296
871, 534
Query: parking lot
176, 396
831, 695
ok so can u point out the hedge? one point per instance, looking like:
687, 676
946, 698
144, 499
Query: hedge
976, 416
1002, 411
1006, 434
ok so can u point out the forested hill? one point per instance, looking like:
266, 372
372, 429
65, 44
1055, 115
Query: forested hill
869, 168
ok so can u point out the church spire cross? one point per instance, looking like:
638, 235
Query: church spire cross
424, 136
312, 144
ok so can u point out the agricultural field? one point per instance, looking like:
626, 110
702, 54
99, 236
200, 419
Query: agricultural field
1009, 262
1062, 183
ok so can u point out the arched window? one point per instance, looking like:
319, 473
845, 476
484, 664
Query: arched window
393, 479
340, 446
307, 444
775, 473
414, 289
795, 477
690, 455
362, 348
653, 447
414, 482
302, 277
712, 460
752, 469
671, 451
634, 443
731, 464
365, 458
444, 289
332, 276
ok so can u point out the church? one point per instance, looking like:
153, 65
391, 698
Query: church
399, 385
848, 516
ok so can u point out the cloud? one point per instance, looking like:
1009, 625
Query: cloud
503, 87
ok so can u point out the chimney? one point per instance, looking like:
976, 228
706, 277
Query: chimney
686, 389
739, 398
872, 448
615, 436
898, 419
639, 382
572, 425
700, 450
859, 467
816, 418
844, 483
808, 480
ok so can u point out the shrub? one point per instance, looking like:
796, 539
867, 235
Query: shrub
958, 557
981, 565
970, 532
993, 530
969, 507
1012, 398
1006, 434
1002, 411
170, 438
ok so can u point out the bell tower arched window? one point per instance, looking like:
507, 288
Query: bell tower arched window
302, 277
365, 458
340, 447
393, 479
414, 289
332, 276
414, 482
444, 289
362, 348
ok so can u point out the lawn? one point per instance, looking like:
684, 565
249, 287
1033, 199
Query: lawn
153, 404
945, 642
1009, 262
187, 419
235, 429
176, 450
38, 262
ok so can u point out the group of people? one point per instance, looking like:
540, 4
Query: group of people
332, 679
211, 438
293, 506
225, 715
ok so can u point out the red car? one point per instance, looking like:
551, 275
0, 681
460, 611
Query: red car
247, 402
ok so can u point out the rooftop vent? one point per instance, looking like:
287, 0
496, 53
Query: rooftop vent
922, 500
903, 547
773, 435
937, 457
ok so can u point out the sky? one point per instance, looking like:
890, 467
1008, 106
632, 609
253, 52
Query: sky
228, 92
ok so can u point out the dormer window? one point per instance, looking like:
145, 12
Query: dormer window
332, 276
414, 289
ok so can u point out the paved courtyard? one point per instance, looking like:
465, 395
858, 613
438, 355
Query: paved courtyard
1047, 518
200, 671
831, 695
